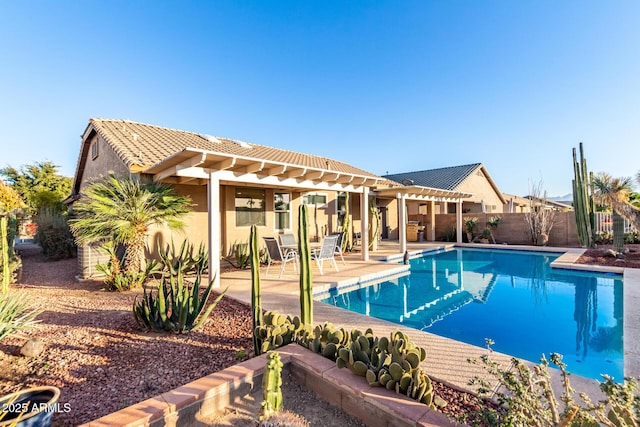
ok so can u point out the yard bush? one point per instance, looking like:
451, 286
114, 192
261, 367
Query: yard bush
116, 278
528, 398
53, 234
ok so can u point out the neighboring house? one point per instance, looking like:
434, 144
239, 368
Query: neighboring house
235, 184
517, 204
473, 179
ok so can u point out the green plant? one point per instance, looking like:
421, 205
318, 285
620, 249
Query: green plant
583, 203
526, 397
632, 237
15, 314
449, 235
54, 235
177, 305
470, 224
346, 225
603, 238
116, 278
492, 224
271, 386
241, 354
241, 255
306, 281
618, 232
256, 299
276, 330
183, 261
123, 210
271, 413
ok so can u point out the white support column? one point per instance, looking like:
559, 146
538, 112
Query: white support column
402, 222
364, 223
213, 209
459, 221
432, 216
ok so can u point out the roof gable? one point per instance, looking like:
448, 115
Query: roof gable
444, 178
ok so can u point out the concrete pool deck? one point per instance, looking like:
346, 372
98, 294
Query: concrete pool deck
446, 358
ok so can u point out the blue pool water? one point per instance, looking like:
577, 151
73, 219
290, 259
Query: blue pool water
514, 298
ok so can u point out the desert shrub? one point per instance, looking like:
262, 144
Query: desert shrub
603, 238
116, 277
15, 266
15, 314
632, 238
526, 397
449, 235
53, 234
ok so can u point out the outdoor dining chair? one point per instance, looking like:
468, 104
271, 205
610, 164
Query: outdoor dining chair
276, 254
288, 242
326, 251
338, 250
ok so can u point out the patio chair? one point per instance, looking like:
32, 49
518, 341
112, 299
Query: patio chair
276, 254
326, 252
288, 242
338, 250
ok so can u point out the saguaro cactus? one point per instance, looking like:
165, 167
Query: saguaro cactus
306, 300
256, 299
583, 204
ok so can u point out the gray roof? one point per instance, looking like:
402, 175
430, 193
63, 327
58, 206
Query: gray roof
444, 178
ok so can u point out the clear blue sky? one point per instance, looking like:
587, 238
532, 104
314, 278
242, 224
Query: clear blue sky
388, 86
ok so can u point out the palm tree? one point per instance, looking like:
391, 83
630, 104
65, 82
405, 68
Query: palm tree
615, 193
123, 209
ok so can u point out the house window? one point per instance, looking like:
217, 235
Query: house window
250, 207
94, 148
314, 199
282, 209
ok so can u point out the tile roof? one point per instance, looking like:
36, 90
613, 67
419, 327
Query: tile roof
142, 145
444, 178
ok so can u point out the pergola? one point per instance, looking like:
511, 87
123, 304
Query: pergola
201, 167
423, 194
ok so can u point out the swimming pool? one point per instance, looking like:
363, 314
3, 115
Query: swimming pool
514, 298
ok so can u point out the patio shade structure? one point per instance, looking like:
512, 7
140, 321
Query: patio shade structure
200, 167
423, 194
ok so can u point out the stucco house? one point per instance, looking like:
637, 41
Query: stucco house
235, 184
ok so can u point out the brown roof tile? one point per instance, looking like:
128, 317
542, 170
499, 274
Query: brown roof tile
143, 145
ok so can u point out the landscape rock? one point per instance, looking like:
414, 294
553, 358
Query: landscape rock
32, 348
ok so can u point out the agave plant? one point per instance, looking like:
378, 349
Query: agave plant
15, 315
175, 306
183, 261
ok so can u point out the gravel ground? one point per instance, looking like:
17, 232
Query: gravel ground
102, 362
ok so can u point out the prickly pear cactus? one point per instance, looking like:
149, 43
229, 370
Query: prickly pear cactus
277, 330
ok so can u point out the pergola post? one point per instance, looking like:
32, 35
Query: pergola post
364, 223
459, 221
213, 240
402, 221
432, 219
